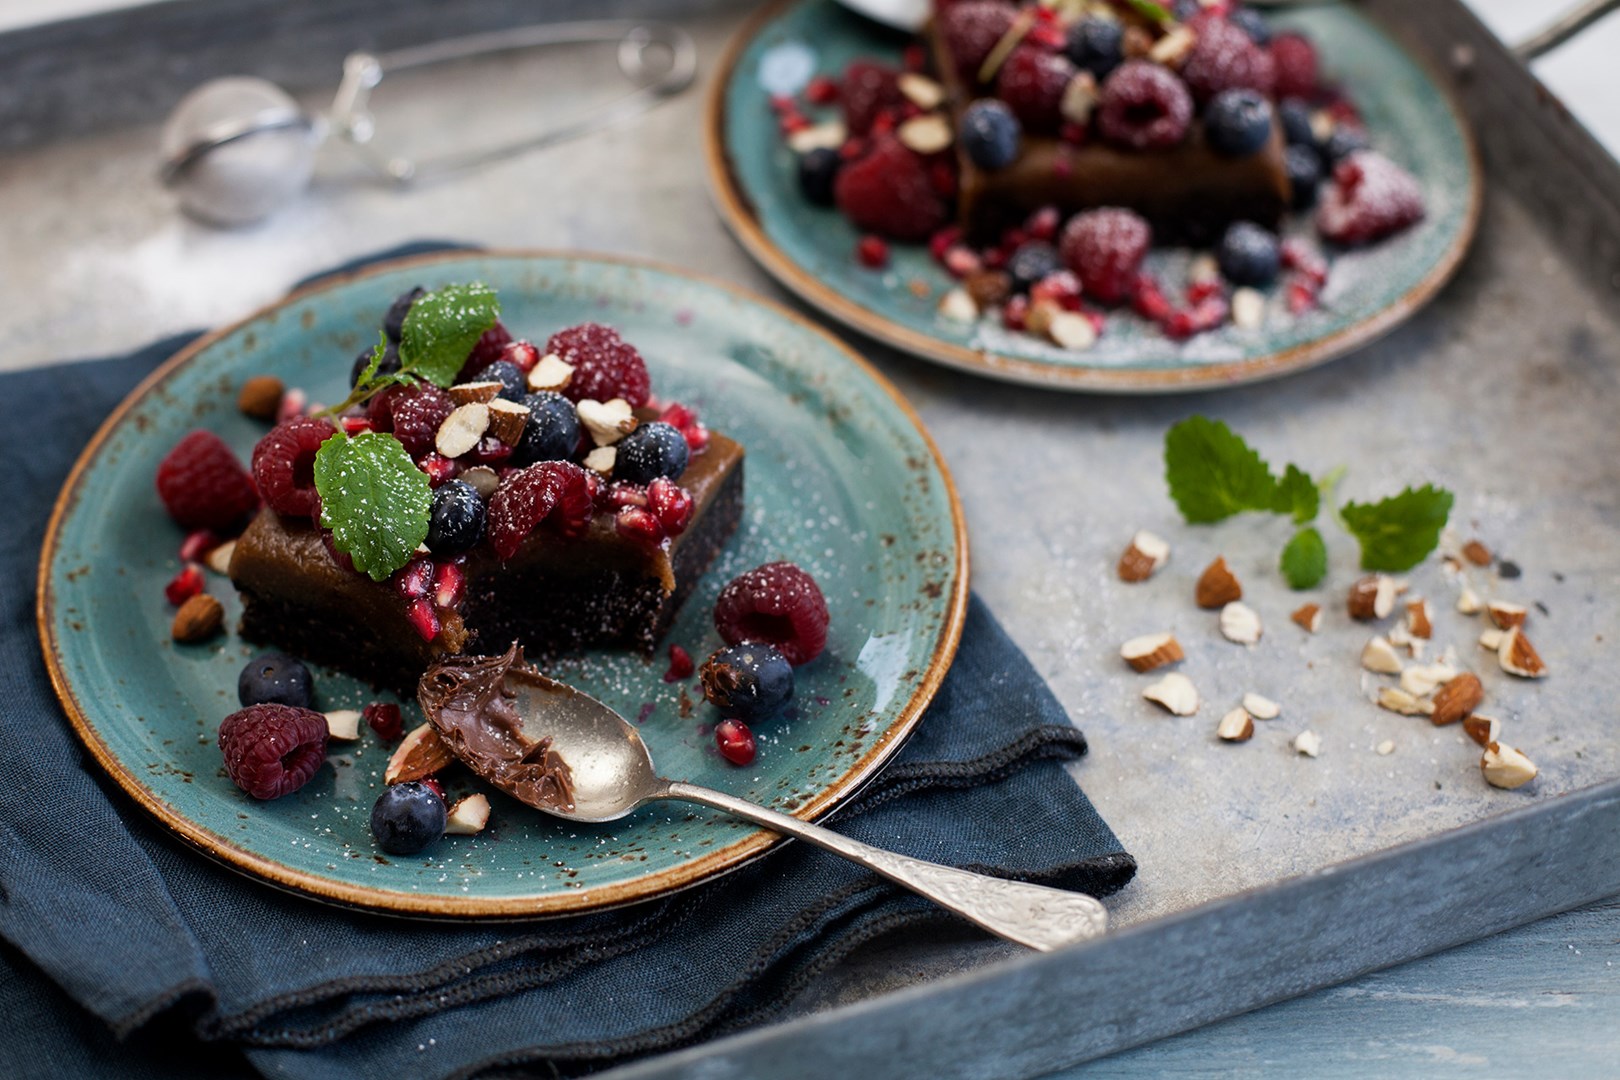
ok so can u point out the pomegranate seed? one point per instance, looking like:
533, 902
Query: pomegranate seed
1046, 35
521, 353
293, 404
1097, 320
1210, 313
872, 252
1301, 298
821, 91
943, 241
1014, 312
1199, 291
639, 524
184, 585
1062, 287
1296, 255
792, 122
734, 741
623, 494
671, 504
1149, 301
432, 783
697, 438
1179, 325
449, 585
914, 58
1043, 223
960, 261
781, 103
995, 259
414, 579
678, 416
385, 719
491, 451
680, 665
423, 618
354, 425
198, 544
438, 468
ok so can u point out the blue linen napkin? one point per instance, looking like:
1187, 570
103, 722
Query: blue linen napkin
203, 971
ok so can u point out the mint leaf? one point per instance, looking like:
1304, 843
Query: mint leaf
1149, 10
442, 328
1212, 472
377, 355
374, 499
1304, 560
1298, 495
1397, 533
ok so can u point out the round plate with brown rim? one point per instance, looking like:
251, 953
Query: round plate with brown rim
841, 478
809, 249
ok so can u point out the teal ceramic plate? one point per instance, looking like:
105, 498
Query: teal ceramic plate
841, 479
809, 249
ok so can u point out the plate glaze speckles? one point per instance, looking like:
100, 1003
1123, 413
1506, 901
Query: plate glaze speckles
809, 249
840, 478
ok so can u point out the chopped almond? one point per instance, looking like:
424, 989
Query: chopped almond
1506, 615
1418, 621
1457, 699
1309, 616
1373, 597
1151, 651
1217, 586
1518, 657
1145, 554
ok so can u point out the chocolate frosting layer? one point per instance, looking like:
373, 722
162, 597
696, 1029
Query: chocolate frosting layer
469, 701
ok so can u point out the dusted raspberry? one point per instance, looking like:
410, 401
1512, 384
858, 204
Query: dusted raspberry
605, 366
888, 192
1106, 248
1031, 83
272, 750
284, 465
1144, 107
1294, 59
417, 414
380, 408
1226, 58
385, 719
1370, 198
552, 492
972, 29
488, 350
868, 89
203, 486
775, 604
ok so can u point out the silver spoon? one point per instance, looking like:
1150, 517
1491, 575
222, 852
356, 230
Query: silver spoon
514, 727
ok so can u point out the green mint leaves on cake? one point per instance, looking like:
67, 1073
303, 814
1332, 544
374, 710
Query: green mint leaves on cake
442, 328
374, 499
1214, 474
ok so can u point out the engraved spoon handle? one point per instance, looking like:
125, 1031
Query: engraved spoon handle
1034, 915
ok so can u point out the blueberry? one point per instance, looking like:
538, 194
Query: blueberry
389, 365
652, 450
456, 519
1032, 262
817, 171
990, 134
1252, 23
1095, 45
1304, 174
552, 432
394, 321
274, 678
1249, 255
1237, 123
747, 681
1296, 123
1344, 141
514, 384
407, 818
1184, 10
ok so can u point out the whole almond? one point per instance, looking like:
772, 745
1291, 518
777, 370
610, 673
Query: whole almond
1217, 586
1457, 699
198, 619
260, 397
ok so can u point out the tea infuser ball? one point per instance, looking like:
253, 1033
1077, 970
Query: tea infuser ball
237, 149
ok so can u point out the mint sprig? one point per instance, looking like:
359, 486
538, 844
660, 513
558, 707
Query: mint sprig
1213, 473
374, 499
1397, 533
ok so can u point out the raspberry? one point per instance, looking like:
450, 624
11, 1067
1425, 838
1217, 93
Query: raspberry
554, 492
971, 30
272, 750
1293, 58
380, 408
1370, 198
1144, 107
775, 604
1106, 248
385, 719
605, 366
486, 351
417, 414
889, 192
203, 486
284, 465
868, 90
1031, 83
1226, 58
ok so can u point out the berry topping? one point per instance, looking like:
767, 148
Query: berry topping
417, 414
1293, 58
868, 90
1345, 140
1248, 255
184, 585
1237, 123
272, 750
817, 170
605, 366
414, 579
652, 450
1031, 263
990, 134
407, 818
748, 681
456, 520
1296, 123
1226, 58
872, 253
390, 363
523, 355
274, 678
639, 524
680, 665
423, 617
1095, 45
553, 492
439, 468
775, 604
284, 465
671, 504
1369, 198
203, 486
1251, 22
1105, 248
971, 29
1304, 175
1144, 107
821, 90
385, 719
197, 544
449, 585
488, 349
889, 192
394, 321
734, 741
513, 382
552, 430
1031, 83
